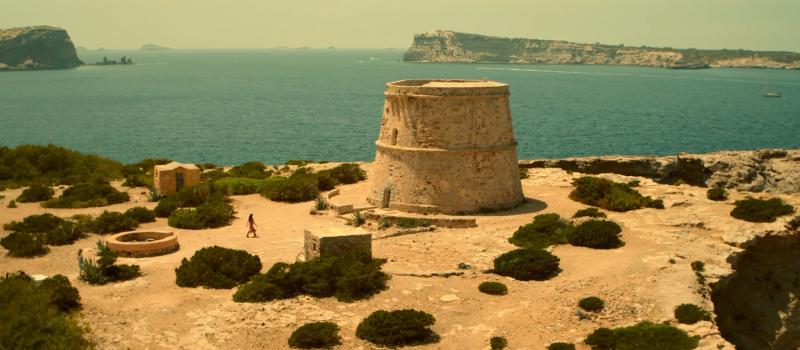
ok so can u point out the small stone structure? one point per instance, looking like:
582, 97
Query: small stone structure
143, 243
172, 177
331, 241
446, 146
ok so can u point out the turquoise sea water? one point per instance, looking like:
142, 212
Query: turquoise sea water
233, 106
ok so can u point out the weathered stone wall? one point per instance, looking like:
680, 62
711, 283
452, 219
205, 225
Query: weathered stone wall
446, 147
336, 241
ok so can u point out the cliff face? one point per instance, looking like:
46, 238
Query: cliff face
453, 47
36, 48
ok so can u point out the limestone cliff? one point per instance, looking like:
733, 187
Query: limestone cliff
36, 48
454, 47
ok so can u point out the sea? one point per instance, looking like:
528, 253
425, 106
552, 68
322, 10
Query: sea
272, 105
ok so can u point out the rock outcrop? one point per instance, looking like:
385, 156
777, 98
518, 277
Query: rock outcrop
454, 47
37, 48
769, 170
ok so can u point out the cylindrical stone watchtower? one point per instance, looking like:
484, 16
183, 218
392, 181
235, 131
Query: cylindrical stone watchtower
446, 146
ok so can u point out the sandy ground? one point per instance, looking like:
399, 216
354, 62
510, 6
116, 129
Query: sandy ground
644, 280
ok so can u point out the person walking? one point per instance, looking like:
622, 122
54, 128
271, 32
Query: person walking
251, 227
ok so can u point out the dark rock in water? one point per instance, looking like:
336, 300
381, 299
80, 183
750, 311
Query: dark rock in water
37, 48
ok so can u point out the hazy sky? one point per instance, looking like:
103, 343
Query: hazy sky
752, 24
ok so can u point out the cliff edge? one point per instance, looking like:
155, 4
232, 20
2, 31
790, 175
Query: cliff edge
453, 47
39, 47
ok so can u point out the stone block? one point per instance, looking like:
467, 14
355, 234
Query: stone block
332, 241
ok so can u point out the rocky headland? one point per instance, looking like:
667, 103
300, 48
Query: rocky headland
41, 47
454, 47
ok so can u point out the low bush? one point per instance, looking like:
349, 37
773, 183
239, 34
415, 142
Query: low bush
11, 204
207, 215
237, 186
217, 267
348, 277
698, 266
644, 335
760, 210
52, 229
493, 288
104, 269
397, 328
141, 214
691, 314
87, 195
591, 304
113, 222
591, 212
52, 165
358, 219
610, 195
295, 190
597, 234
252, 170
36, 316
347, 173
166, 206
527, 265
35, 193
24, 245
321, 203
544, 231
498, 343
412, 223
315, 335
561, 346
717, 194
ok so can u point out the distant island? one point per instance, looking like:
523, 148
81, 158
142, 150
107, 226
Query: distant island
454, 47
107, 62
153, 47
32, 48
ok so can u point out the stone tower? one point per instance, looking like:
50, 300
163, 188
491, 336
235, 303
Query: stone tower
446, 146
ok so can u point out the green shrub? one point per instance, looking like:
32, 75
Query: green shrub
52, 165
493, 288
358, 219
208, 215
315, 335
561, 346
698, 266
52, 229
166, 206
24, 245
298, 162
291, 190
759, 210
138, 180
141, 214
691, 314
35, 316
597, 234
498, 343
113, 222
527, 265
87, 195
252, 170
347, 173
407, 223
396, 328
242, 186
186, 218
544, 231
717, 194
644, 335
591, 212
321, 203
610, 195
35, 193
62, 294
591, 304
11, 204
217, 267
348, 277
206, 166
634, 183
105, 270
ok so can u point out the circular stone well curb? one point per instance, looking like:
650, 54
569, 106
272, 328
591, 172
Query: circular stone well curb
143, 243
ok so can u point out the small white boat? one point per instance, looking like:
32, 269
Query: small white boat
773, 94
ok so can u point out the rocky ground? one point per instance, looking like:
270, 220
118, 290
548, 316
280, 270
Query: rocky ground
643, 280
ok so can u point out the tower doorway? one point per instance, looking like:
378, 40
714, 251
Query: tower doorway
387, 196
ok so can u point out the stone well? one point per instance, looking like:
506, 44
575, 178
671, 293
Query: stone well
143, 243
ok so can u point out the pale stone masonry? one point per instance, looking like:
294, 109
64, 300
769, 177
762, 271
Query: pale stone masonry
332, 241
172, 177
446, 146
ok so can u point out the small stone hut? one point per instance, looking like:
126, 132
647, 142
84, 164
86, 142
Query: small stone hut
172, 177
446, 146
332, 241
